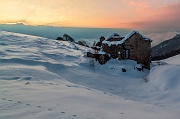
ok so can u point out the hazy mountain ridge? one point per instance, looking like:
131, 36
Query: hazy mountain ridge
167, 48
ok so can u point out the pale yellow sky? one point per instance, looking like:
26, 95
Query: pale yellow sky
89, 13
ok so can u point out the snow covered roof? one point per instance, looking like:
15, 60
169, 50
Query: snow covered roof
132, 33
115, 35
112, 36
112, 42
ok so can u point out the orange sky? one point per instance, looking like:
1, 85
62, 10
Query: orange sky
93, 13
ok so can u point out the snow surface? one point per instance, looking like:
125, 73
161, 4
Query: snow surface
43, 79
173, 60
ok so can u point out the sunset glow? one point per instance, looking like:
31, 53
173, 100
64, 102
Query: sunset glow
93, 13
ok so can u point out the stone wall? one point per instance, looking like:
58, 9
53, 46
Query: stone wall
140, 49
113, 50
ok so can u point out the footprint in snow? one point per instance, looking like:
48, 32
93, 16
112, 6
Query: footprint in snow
53, 84
3, 98
27, 78
39, 106
68, 86
28, 104
74, 115
50, 109
30, 74
73, 86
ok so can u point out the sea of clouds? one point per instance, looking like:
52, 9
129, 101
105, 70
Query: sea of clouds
80, 34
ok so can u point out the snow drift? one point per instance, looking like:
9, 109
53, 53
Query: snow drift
165, 77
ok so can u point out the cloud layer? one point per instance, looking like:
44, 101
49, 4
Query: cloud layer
165, 18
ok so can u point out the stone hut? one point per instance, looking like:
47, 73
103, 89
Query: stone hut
112, 45
134, 46
138, 47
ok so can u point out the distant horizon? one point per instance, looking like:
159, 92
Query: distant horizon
21, 23
81, 33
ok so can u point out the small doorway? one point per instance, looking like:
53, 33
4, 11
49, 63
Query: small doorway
127, 53
102, 59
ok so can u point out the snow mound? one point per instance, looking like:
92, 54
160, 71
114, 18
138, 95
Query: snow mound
166, 77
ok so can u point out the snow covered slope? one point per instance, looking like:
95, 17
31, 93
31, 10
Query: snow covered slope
163, 87
43, 78
173, 60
